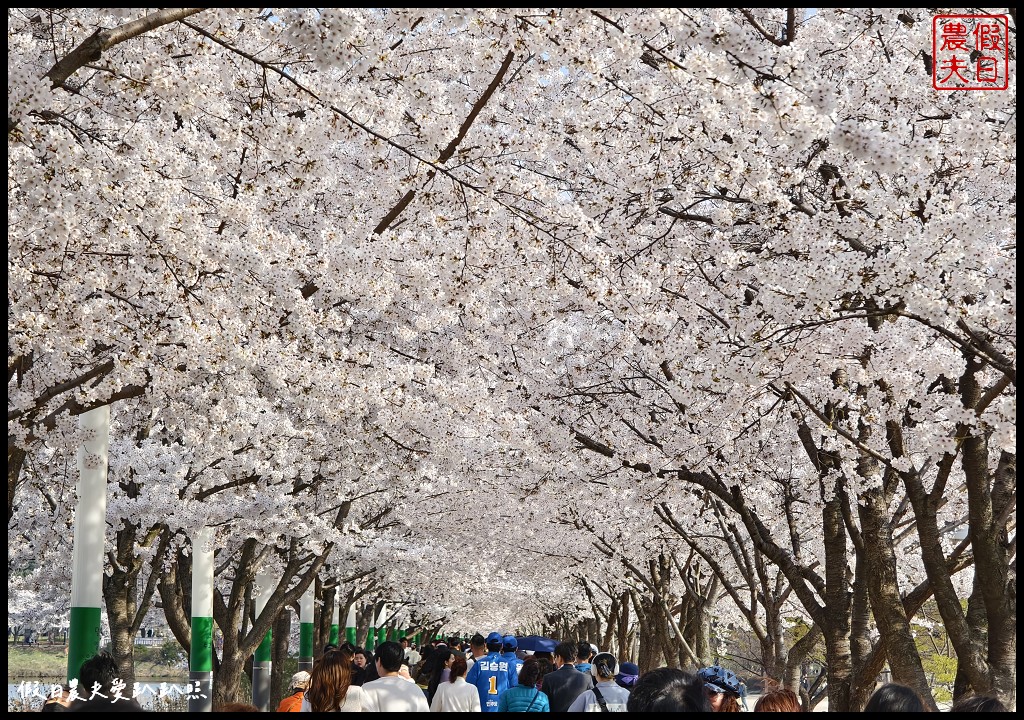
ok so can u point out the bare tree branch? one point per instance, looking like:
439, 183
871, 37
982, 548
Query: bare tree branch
447, 153
93, 47
760, 28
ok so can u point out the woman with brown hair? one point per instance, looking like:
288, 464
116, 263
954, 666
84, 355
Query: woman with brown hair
545, 666
778, 700
330, 685
526, 696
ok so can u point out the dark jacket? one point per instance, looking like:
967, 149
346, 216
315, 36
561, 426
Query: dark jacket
565, 685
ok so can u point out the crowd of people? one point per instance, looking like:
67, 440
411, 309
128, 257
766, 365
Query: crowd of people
491, 674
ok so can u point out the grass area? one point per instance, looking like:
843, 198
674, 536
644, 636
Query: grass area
39, 662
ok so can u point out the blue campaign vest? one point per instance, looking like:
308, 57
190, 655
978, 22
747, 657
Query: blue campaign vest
514, 665
492, 676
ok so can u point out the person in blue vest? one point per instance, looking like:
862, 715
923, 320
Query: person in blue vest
492, 675
509, 645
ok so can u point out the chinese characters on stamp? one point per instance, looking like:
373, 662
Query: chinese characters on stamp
970, 52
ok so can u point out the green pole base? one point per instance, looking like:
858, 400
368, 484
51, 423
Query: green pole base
306, 640
200, 657
83, 638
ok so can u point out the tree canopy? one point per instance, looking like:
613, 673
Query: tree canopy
517, 317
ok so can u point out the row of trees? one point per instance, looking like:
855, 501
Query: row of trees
633, 324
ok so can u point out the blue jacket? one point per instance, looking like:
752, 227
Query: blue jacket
523, 698
513, 661
492, 676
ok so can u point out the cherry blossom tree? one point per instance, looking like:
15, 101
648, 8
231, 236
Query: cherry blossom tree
427, 265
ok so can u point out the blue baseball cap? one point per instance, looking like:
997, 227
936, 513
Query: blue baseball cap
494, 638
510, 641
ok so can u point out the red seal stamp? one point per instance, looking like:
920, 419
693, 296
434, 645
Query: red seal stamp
970, 52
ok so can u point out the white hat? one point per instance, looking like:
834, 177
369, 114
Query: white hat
300, 679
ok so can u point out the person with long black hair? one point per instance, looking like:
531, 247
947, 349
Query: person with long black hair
893, 697
456, 695
442, 664
668, 690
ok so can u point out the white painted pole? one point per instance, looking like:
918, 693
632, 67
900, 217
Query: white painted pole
382, 631
333, 638
306, 629
90, 531
350, 625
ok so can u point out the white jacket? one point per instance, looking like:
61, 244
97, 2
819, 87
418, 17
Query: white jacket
393, 694
458, 696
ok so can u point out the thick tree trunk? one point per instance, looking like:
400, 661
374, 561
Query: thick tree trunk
279, 654
836, 628
701, 642
122, 638
991, 501
623, 622
227, 679
884, 592
991, 561
975, 619
328, 598
661, 575
232, 616
606, 641
366, 617
669, 645
176, 600
126, 607
649, 652
794, 662
774, 653
968, 642
861, 684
